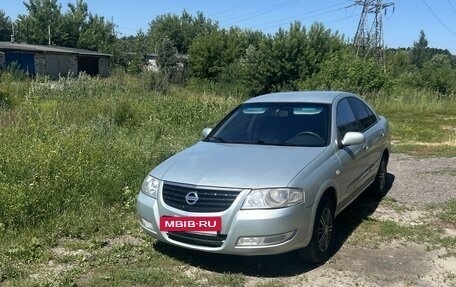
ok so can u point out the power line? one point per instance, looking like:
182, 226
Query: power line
260, 12
309, 14
233, 8
438, 19
452, 7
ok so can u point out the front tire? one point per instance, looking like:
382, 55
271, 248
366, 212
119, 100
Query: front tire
321, 244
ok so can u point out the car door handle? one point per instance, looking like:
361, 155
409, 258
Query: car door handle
382, 134
365, 148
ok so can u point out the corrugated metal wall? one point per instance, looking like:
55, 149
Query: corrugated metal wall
25, 61
55, 65
103, 67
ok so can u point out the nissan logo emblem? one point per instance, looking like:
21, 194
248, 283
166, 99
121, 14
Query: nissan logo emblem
191, 198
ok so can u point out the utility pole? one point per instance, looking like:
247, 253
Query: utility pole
49, 35
369, 36
12, 34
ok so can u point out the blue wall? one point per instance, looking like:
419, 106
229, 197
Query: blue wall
25, 61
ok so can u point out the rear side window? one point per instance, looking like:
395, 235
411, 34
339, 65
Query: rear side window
365, 115
346, 121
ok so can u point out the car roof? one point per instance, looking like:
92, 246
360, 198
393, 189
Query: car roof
326, 97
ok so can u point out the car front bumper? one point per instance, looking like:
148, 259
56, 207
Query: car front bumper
282, 230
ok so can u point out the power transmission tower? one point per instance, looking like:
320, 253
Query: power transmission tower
369, 35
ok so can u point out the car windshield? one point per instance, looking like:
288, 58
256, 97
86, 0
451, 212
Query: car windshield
284, 124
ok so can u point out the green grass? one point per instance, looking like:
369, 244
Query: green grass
448, 212
372, 233
421, 123
74, 153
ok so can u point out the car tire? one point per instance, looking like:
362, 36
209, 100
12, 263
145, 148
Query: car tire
378, 187
321, 244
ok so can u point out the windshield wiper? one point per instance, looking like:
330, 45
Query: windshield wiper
263, 142
217, 139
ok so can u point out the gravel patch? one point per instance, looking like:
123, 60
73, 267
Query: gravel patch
421, 181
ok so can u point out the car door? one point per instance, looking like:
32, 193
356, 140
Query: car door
368, 124
351, 157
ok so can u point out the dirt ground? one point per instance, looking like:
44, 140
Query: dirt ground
414, 184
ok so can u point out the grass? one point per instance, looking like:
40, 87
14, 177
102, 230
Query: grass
448, 212
421, 123
74, 153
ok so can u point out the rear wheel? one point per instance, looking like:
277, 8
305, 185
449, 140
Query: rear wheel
379, 184
321, 245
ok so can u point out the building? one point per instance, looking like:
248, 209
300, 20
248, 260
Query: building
54, 61
152, 65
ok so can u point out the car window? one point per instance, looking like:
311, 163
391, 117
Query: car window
365, 115
290, 124
346, 121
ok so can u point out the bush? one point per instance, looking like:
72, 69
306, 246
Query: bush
346, 72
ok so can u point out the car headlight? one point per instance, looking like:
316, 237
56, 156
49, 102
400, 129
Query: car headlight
273, 198
150, 186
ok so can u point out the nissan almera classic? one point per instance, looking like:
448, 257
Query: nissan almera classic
270, 178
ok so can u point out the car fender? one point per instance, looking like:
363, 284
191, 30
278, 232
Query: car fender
328, 184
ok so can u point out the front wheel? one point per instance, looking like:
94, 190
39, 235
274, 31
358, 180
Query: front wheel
322, 241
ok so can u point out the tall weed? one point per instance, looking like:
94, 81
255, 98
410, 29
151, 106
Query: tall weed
81, 145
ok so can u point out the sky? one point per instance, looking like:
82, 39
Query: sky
402, 21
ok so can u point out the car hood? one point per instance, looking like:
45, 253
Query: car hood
236, 165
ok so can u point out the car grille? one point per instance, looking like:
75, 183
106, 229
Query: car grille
198, 239
209, 199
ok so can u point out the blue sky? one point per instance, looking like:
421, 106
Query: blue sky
401, 27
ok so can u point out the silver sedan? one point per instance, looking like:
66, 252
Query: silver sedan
270, 178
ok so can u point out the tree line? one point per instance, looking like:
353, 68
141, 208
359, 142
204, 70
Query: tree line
295, 58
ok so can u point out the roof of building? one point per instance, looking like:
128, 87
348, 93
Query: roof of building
48, 49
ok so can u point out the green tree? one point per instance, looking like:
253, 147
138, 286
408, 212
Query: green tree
419, 53
43, 16
74, 22
321, 43
168, 61
5, 27
130, 52
97, 35
399, 62
438, 75
181, 30
344, 71
290, 57
211, 54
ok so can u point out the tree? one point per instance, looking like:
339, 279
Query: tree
43, 16
74, 22
438, 75
419, 53
180, 30
97, 34
130, 52
290, 57
167, 60
5, 27
211, 54
344, 71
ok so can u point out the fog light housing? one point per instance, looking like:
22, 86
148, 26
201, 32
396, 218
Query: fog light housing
250, 241
147, 225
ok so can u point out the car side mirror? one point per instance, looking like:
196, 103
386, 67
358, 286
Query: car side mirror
353, 138
205, 132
